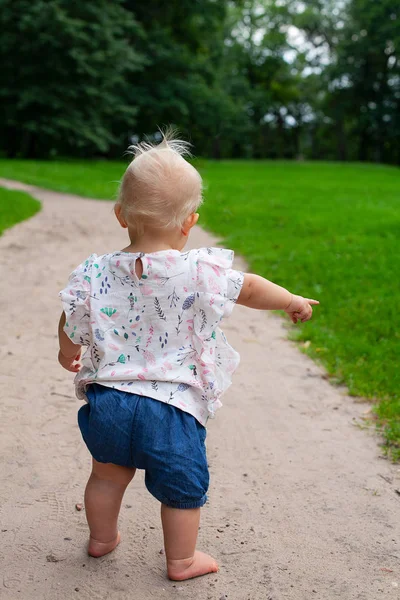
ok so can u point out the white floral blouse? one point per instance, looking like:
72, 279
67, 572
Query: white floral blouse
156, 336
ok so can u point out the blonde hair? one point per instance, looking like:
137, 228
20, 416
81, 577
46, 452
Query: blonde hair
159, 189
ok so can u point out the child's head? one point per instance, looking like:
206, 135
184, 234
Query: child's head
160, 191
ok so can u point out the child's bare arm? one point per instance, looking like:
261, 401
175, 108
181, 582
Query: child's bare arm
69, 352
260, 293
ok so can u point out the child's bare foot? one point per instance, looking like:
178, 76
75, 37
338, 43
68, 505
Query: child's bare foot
97, 549
199, 564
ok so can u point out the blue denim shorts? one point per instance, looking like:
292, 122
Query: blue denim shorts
136, 431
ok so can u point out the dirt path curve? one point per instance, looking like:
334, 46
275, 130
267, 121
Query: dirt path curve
301, 505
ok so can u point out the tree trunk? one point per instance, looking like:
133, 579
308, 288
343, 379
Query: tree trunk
314, 142
363, 146
341, 140
216, 149
296, 139
11, 137
280, 145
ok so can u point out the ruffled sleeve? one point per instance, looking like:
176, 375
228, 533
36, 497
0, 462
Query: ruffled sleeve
75, 298
218, 287
217, 279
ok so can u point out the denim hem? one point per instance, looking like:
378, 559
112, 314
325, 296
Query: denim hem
177, 504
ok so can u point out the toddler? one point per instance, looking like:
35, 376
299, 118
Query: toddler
156, 362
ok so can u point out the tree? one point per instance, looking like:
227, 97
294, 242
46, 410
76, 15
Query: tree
64, 68
184, 82
367, 68
358, 44
83, 78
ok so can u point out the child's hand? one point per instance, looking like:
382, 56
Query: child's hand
68, 362
300, 309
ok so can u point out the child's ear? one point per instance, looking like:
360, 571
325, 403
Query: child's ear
118, 214
195, 217
189, 223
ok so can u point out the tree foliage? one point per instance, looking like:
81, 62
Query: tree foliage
64, 69
244, 78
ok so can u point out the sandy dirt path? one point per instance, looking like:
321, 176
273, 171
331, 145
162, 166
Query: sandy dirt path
301, 504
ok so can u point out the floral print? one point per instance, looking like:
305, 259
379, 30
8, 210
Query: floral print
159, 335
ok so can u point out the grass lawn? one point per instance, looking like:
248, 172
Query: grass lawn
91, 178
15, 207
328, 231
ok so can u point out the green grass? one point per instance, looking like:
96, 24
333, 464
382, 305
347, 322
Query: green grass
92, 178
15, 207
328, 231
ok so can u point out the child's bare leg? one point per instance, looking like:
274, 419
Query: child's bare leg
103, 496
180, 535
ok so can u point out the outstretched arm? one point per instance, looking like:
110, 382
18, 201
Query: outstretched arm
69, 352
260, 293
